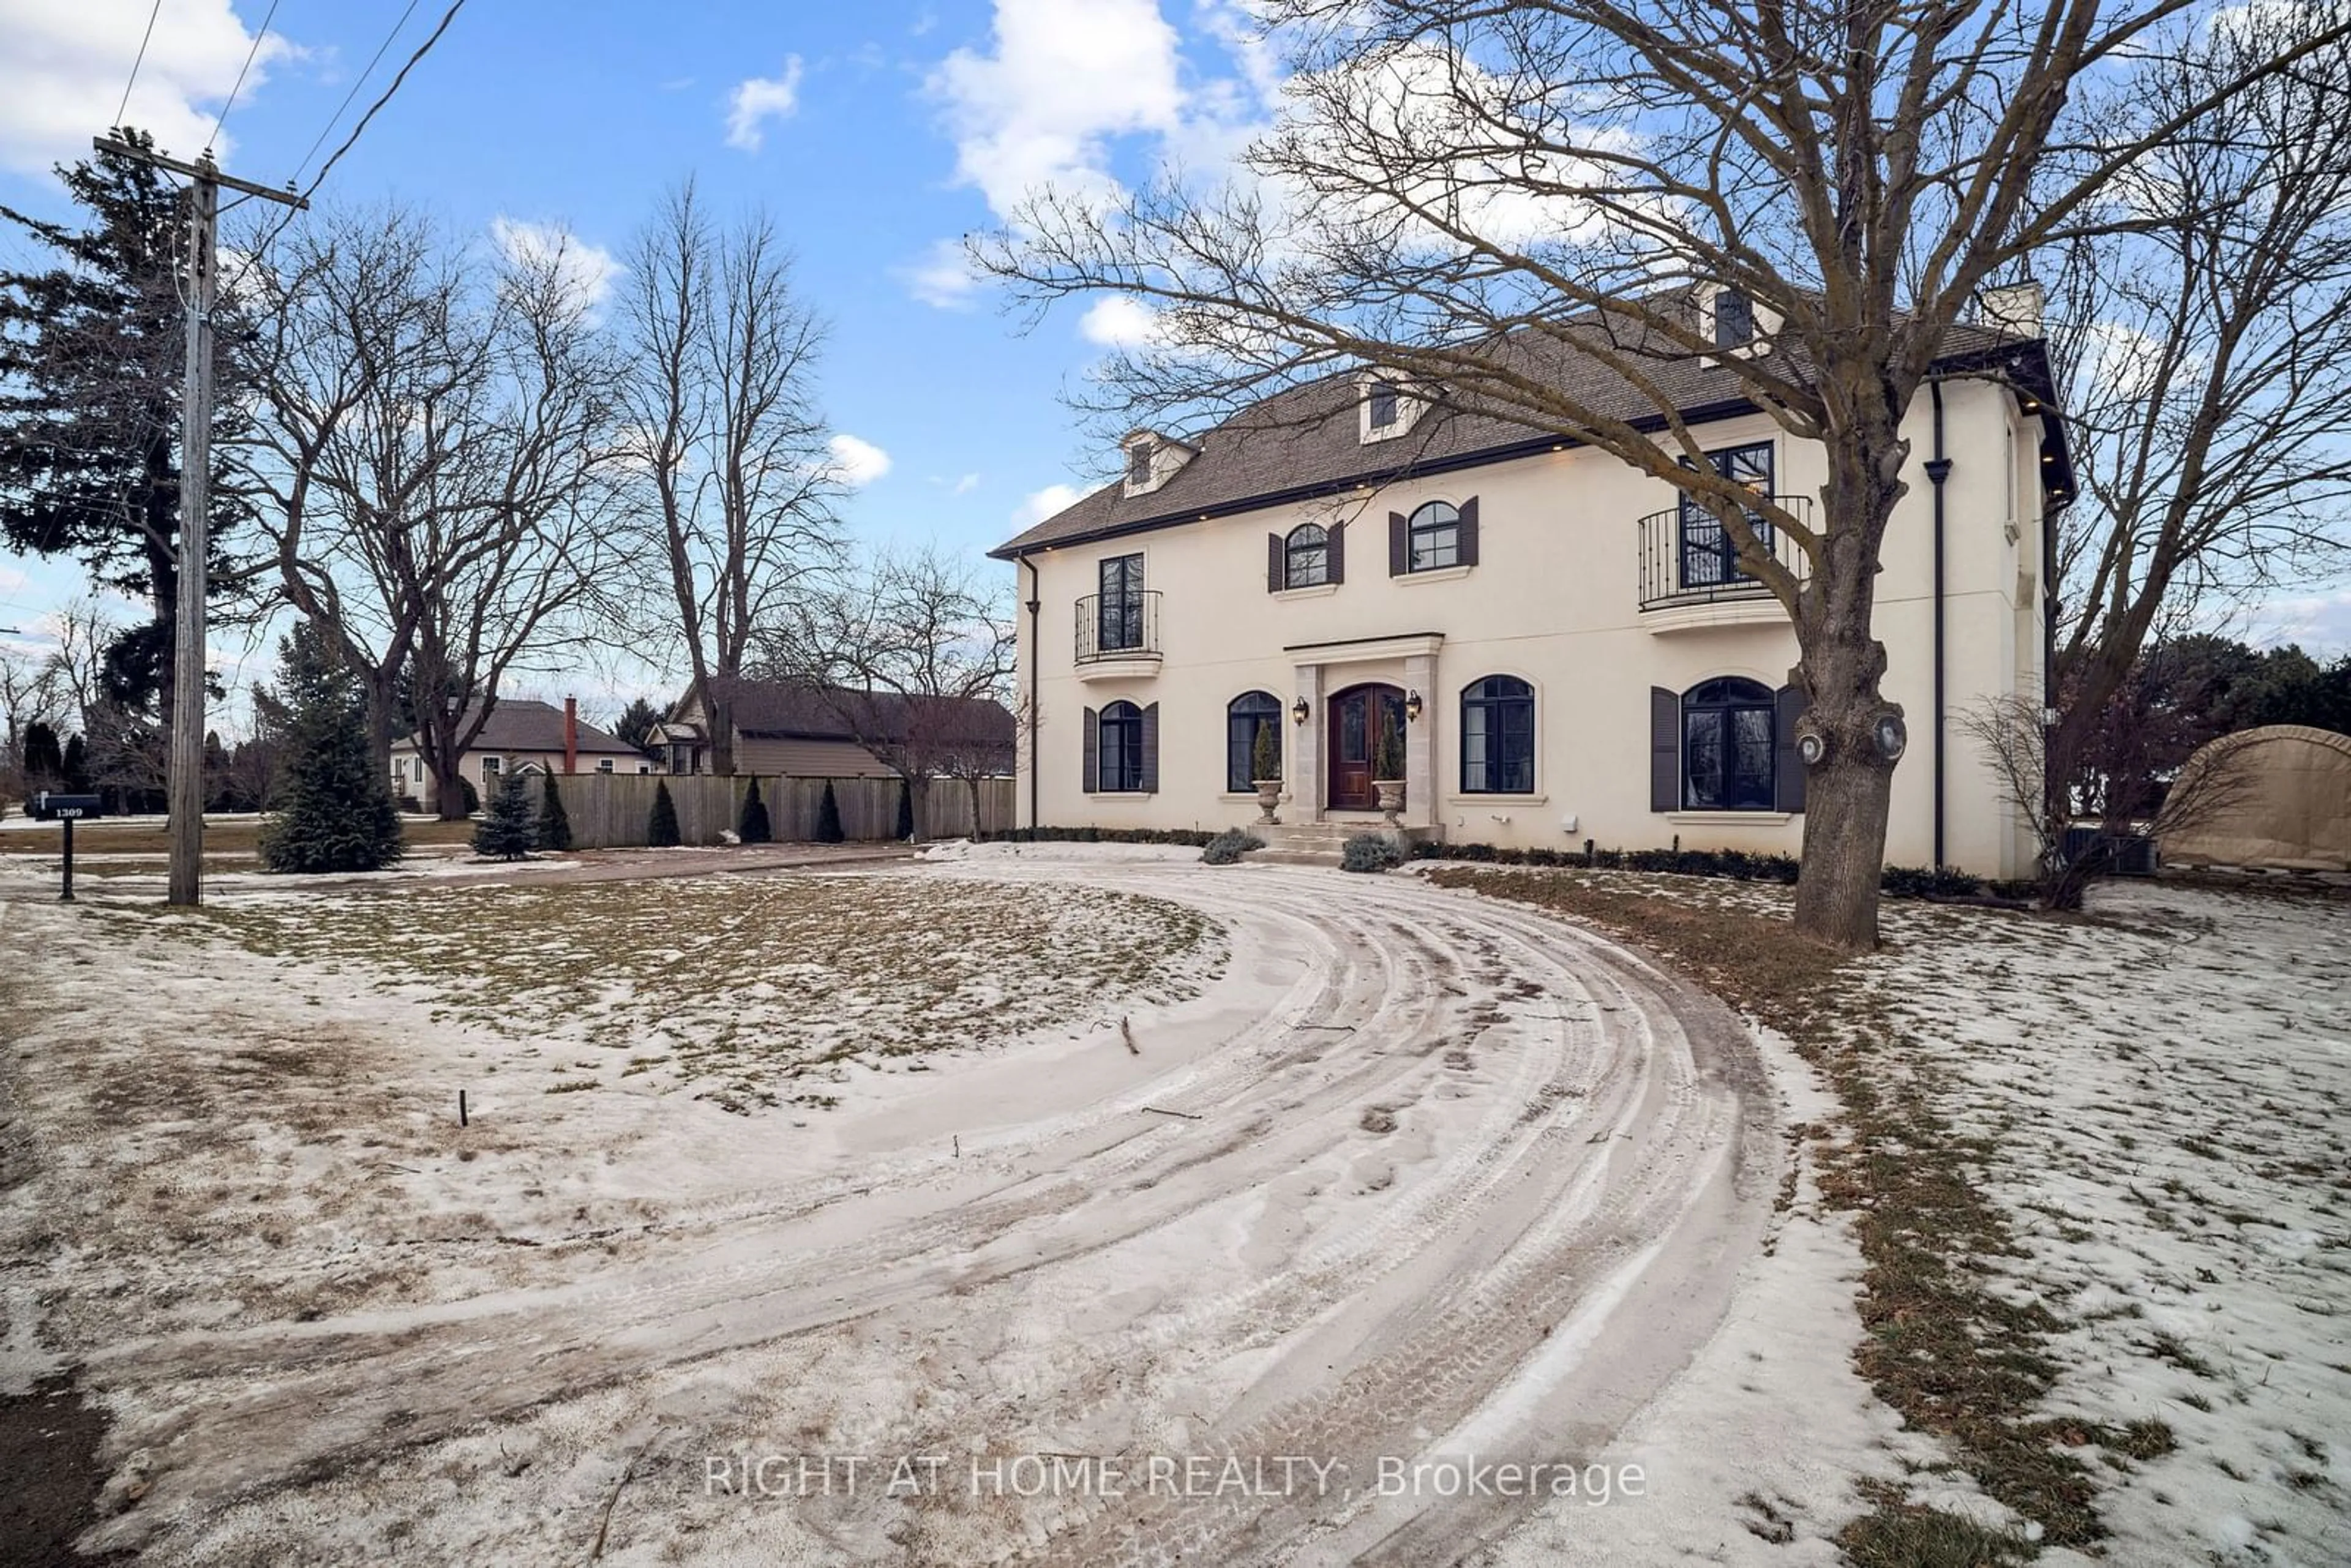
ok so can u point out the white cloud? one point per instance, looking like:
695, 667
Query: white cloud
589, 271
965, 485
68, 60
758, 99
857, 463
943, 277
1042, 504
1120, 322
1064, 77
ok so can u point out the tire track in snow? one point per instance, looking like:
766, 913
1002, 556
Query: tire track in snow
1603, 1154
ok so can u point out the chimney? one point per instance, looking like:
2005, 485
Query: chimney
571, 734
2016, 307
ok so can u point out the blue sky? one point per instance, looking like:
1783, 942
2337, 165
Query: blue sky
875, 135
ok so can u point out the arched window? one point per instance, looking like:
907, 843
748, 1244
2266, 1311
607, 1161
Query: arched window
1497, 737
1433, 539
1244, 717
1306, 557
1121, 726
1728, 747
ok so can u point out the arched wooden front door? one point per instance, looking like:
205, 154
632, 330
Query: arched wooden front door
1354, 734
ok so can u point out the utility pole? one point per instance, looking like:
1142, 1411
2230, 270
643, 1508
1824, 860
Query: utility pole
184, 782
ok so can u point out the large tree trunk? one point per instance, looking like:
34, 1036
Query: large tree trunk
918, 801
721, 734
1848, 792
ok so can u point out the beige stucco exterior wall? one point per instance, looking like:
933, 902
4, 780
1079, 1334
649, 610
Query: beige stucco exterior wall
1554, 601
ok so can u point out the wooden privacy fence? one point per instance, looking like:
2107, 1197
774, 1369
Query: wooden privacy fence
610, 810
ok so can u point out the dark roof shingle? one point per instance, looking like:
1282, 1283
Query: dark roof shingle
1304, 441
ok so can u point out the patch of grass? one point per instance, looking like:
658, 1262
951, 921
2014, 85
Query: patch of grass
741, 986
1898, 1534
1955, 1358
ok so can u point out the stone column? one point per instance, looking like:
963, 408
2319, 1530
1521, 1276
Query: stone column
1420, 780
1305, 743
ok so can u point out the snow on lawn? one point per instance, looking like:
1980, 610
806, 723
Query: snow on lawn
751, 989
2163, 1089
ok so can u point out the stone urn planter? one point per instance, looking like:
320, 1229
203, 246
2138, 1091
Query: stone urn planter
1391, 794
1268, 796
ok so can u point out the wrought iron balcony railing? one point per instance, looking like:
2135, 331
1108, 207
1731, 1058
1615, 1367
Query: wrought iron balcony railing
1118, 626
1688, 557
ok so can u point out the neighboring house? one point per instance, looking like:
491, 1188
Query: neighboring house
1570, 649
521, 736
805, 732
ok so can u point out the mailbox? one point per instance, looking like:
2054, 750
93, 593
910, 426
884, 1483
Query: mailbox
51, 806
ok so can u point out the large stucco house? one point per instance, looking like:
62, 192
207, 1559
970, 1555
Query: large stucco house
1570, 652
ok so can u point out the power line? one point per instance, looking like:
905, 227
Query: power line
349, 141
357, 82
137, 60
230, 103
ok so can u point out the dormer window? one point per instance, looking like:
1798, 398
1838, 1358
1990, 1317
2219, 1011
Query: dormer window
1734, 320
1385, 406
1152, 459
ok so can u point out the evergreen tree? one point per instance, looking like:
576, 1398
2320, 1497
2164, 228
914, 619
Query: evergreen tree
754, 828
90, 372
828, 817
75, 767
660, 828
636, 723
906, 812
554, 822
334, 810
45, 761
506, 831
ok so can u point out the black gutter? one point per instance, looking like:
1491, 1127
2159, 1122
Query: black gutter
1939, 469
1036, 659
1370, 479
2025, 364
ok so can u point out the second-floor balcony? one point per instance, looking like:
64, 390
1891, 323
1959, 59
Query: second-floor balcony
1690, 563
1118, 634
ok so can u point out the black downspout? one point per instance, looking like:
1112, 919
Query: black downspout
1036, 657
1938, 468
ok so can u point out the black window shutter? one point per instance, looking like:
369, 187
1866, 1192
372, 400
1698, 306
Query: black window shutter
1338, 553
1151, 749
1468, 533
1787, 768
1093, 731
1664, 750
1276, 564
1399, 545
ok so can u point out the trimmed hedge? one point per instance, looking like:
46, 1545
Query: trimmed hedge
1228, 847
1737, 865
1192, 837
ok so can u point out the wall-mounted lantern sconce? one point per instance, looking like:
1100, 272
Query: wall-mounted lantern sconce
1298, 710
1412, 709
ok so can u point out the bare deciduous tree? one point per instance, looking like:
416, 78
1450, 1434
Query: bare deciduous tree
2128, 772
733, 463
2207, 351
914, 654
1467, 195
438, 434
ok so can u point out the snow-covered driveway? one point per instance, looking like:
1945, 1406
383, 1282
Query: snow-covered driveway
1417, 1174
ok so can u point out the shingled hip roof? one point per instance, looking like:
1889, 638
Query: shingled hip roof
1304, 441
518, 724
785, 710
